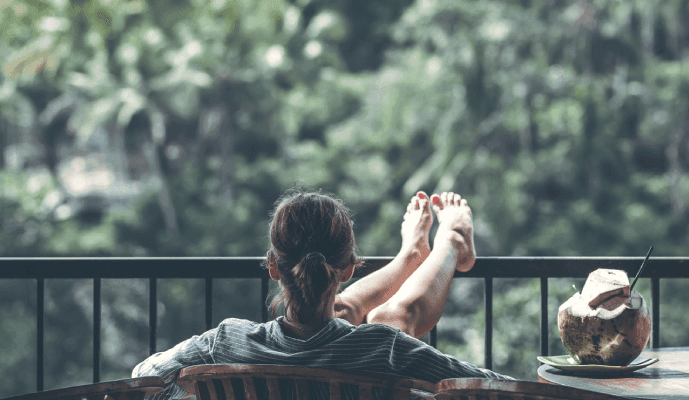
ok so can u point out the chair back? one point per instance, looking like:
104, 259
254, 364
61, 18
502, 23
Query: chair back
123, 389
478, 389
280, 382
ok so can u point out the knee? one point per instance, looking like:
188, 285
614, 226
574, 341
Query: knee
396, 315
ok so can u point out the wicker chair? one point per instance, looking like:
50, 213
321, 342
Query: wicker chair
123, 389
273, 382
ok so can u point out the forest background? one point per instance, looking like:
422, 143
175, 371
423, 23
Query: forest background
169, 128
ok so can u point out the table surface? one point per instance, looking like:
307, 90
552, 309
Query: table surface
666, 379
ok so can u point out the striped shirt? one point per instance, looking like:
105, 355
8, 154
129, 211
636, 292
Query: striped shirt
339, 345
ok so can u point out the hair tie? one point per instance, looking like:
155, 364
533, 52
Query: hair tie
316, 255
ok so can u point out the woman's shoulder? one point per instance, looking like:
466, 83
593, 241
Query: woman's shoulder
376, 328
238, 324
238, 329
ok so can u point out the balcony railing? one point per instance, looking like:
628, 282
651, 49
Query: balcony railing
487, 268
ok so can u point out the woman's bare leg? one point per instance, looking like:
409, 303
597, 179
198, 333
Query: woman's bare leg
419, 302
369, 292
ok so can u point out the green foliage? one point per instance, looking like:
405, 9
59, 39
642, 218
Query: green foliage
25, 203
563, 124
18, 331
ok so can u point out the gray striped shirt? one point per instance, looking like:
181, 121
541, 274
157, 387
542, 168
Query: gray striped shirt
339, 345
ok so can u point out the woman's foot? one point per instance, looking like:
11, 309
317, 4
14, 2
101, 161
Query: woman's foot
456, 227
415, 230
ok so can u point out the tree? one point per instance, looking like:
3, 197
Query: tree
563, 124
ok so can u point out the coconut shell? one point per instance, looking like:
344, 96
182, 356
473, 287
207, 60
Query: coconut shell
613, 334
603, 284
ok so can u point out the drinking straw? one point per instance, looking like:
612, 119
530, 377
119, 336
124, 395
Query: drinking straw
643, 264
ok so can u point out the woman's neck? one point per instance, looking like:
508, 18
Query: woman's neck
311, 321
308, 324
301, 331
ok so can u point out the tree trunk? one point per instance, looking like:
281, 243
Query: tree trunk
226, 146
164, 198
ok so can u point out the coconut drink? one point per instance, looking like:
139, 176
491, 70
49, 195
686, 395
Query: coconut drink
607, 323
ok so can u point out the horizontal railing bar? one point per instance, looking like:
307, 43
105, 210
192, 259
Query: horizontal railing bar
249, 267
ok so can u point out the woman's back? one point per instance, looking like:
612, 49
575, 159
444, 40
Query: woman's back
338, 345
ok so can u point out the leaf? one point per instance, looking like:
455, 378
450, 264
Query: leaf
57, 106
99, 112
158, 131
8, 90
183, 100
30, 59
327, 25
448, 180
133, 102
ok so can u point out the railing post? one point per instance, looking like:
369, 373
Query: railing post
264, 299
544, 316
209, 303
152, 315
96, 329
488, 298
655, 313
40, 327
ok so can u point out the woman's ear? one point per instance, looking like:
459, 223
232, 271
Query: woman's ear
273, 270
348, 273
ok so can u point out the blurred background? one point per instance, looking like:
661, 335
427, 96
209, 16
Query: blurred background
169, 128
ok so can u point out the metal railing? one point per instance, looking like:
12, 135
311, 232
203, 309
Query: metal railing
488, 268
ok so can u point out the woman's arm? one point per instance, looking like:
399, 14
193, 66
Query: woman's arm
369, 292
193, 351
414, 358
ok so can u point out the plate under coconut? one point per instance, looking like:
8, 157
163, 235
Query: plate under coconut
567, 363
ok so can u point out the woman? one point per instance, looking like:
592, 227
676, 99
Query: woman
312, 251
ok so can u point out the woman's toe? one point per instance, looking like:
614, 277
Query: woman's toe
445, 198
415, 203
436, 203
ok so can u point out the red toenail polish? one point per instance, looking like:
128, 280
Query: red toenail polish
435, 199
421, 196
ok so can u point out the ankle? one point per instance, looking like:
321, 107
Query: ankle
456, 245
413, 256
449, 237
